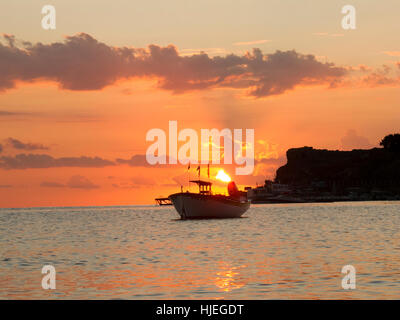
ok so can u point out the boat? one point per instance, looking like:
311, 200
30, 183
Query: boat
163, 201
205, 204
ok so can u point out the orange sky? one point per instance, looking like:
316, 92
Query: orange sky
67, 111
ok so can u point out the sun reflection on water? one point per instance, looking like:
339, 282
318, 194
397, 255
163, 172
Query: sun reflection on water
229, 279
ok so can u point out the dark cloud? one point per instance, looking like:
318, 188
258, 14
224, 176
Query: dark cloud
75, 182
78, 117
52, 184
17, 144
27, 161
271, 161
138, 160
353, 141
5, 186
83, 63
80, 182
7, 113
1, 147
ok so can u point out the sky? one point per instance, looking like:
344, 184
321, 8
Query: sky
76, 102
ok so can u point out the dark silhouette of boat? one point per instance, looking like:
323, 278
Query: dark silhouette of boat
204, 204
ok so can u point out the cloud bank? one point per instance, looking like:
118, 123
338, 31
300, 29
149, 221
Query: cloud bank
51, 184
75, 182
34, 161
81, 182
17, 144
83, 63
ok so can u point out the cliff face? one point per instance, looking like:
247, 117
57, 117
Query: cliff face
307, 165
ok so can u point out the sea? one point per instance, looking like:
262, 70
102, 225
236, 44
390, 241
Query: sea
275, 251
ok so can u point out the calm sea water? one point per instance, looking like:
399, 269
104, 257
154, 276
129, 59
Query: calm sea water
274, 252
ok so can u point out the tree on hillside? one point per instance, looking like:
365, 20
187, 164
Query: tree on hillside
391, 142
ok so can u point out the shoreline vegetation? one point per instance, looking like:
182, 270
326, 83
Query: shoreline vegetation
314, 175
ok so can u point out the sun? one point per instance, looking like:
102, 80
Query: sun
223, 176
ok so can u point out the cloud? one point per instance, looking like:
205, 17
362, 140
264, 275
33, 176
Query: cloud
363, 68
392, 53
8, 113
382, 76
75, 182
324, 34
136, 182
362, 76
28, 161
353, 141
125, 185
249, 43
144, 181
80, 182
17, 144
210, 51
51, 184
1, 147
139, 160
83, 63
284, 70
5, 186
75, 117
272, 161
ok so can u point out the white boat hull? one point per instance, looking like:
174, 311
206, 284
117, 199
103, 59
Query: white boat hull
197, 206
